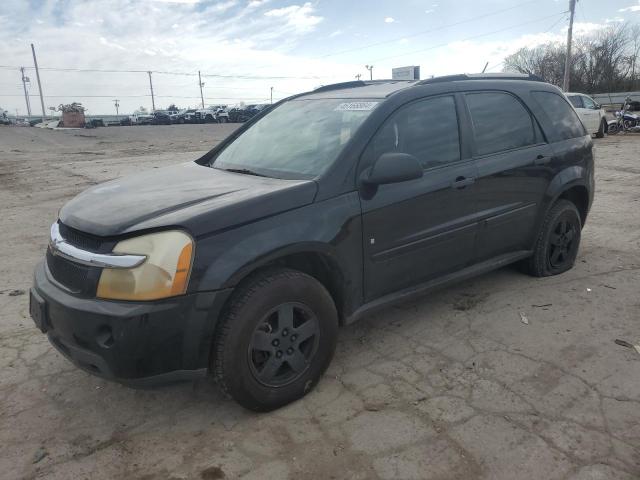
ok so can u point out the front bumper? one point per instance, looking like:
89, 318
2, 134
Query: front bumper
135, 343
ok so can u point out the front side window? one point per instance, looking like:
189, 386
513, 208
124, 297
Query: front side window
500, 122
298, 139
565, 123
426, 129
588, 103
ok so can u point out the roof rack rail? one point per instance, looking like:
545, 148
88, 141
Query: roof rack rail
340, 86
482, 76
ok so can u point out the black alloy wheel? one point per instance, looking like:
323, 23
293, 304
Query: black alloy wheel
561, 243
557, 243
284, 344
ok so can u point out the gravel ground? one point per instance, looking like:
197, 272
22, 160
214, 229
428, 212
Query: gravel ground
453, 385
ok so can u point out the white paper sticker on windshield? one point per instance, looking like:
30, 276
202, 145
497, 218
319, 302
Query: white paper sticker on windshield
356, 106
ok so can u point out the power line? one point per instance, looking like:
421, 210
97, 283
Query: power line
164, 72
424, 32
433, 47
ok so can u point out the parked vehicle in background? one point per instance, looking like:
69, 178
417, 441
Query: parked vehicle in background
213, 113
245, 262
592, 115
160, 118
243, 113
140, 117
625, 120
4, 119
185, 116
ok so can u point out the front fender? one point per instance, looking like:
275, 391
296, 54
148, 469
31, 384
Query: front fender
331, 228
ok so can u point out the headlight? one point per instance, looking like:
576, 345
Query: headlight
165, 272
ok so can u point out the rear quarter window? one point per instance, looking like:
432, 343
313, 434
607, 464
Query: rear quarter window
563, 120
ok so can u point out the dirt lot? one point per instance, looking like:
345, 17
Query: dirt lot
451, 386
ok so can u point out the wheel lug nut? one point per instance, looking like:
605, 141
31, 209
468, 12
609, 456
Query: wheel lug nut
278, 354
289, 351
275, 343
285, 332
293, 338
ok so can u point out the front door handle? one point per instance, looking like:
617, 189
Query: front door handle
541, 160
461, 182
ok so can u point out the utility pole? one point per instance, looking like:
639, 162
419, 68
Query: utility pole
485, 67
117, 104
35, 63
370, 68
358, 76
567, 61
271, 95
153, 101
25, 80
201, 85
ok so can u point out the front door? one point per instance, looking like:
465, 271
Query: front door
418, 230
591, 113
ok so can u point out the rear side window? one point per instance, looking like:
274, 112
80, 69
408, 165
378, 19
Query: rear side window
500, 122
426, 129
564, 120
576, 101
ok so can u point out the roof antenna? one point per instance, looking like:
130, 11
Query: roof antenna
485, 67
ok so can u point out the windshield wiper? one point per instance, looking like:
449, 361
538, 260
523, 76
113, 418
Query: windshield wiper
244, 171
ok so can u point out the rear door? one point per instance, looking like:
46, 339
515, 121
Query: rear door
418, 230
513, 160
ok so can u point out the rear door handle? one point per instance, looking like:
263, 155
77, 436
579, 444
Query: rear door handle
462, 182
541, 160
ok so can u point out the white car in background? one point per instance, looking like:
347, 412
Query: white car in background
592, 115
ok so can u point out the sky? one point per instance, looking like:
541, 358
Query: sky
96, 51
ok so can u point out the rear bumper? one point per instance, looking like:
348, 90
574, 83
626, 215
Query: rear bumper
135, 343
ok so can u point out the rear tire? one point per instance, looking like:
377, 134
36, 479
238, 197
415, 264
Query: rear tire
275, 340
557, 243
601, 131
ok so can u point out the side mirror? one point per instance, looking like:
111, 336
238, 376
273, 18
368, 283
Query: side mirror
392, 168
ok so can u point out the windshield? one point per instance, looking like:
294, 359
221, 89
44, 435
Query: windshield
299, 139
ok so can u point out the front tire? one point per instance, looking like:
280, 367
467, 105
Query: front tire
556, 247
601, 131
276, 339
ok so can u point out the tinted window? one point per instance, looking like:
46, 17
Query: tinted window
500, 122
588, 103
427, 129
564, 120
576, 101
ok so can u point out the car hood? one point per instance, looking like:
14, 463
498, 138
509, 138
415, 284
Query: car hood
191, 196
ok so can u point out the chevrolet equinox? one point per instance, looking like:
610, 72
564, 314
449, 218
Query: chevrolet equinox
321, 209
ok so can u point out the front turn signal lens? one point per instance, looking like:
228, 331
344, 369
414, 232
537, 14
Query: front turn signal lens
165, 272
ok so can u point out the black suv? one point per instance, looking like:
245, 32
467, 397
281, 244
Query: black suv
328, 206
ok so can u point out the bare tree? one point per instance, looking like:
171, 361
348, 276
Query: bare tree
604, 61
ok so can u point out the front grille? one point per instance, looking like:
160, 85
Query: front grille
81, 240
77, 278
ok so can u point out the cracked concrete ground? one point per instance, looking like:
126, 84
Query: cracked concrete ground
452, 386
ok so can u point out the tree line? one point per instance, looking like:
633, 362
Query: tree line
605, 61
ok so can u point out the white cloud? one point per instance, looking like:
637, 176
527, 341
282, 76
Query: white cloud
431, 10
299, 17
632, 8
336, 33
186, 2
257, 3
389, 20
